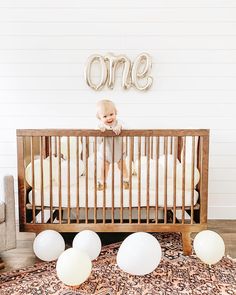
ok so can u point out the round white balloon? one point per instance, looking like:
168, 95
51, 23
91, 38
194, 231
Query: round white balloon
143, 164
48, 245
73, 147
209, 246
170, 164
73, 172
188, 176
139, 254
73, 267
37, 172
89, 242
152, 173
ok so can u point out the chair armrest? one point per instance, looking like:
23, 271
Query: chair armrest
9, 197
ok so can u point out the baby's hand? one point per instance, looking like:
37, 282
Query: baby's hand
117, 129
102, 128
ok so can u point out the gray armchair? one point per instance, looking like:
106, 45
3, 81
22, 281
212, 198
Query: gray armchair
7, 217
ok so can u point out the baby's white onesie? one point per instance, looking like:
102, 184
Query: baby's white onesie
118, 141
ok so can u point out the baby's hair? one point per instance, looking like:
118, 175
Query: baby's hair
105, 104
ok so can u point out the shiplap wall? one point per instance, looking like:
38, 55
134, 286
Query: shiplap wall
44, 45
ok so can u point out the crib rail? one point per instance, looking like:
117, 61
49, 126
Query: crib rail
54, 196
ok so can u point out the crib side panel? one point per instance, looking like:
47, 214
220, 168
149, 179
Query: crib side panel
148, 180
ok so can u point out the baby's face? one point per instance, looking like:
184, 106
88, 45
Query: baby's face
108, 116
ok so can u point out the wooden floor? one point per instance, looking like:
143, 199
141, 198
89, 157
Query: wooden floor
23, 255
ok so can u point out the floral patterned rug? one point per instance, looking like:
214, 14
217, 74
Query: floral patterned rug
176, 274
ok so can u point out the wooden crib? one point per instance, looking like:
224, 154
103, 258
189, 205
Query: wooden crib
58, 172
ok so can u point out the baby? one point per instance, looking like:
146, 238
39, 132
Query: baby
106, 113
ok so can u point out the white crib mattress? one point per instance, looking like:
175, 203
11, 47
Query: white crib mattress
117, 196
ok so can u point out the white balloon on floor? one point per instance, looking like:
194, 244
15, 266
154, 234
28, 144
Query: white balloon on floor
89, 242
73, 267
139, 254
209, 246
48, 245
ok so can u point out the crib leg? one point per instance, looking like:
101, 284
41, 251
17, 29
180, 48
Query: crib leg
186, 241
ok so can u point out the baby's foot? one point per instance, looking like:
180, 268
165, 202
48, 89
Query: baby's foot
101, 186
126, 184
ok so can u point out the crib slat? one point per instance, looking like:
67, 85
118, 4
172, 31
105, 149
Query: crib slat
139, 179
21, 180
131, 150
104, 181
183, 178
165, 177
199, 167
121, 181
171, 145
157, 177
83, 155
198, 160
68, 180
32, 175
112, 182
174, 178
95, 179
148, 179
192, 177
180, 139
86, 178
59, 179
55, 147
152, 147
204, 147
77, 178
41, 177
50, 179
145, 146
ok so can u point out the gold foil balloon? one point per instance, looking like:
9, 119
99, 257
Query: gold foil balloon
91, 60
126, 77
112, 63
141, 68
131, 76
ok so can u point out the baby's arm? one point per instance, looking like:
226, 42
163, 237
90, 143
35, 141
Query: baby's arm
101, 127
117, 129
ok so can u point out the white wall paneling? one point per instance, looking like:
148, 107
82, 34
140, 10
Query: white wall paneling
44, 46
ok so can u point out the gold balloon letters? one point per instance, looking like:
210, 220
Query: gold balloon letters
136, 75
